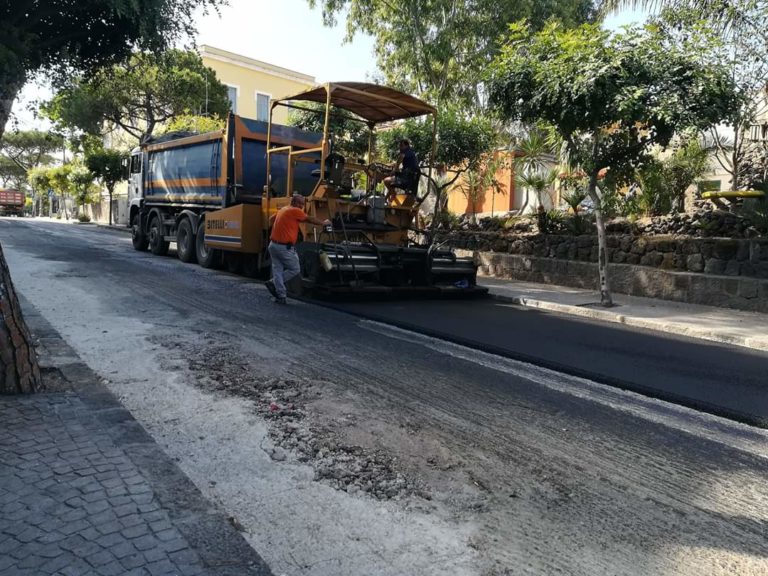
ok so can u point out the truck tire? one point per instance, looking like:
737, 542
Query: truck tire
138, 238
157, 245
185, 241
206, 257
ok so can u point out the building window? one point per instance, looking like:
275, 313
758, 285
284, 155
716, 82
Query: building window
262, 107
232, 95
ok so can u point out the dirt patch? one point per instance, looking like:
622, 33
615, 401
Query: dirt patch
295, 430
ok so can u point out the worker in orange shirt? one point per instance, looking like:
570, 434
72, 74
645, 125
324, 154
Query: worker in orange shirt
282, 244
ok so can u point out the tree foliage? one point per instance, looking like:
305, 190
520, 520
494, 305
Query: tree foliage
349, 135
140, 95
62, 35
193, 123
663, 181
439, 48
23, 151
610, 97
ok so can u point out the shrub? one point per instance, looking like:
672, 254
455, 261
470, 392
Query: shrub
82, 218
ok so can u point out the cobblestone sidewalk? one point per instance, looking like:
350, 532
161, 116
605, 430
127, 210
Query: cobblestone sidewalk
85, 491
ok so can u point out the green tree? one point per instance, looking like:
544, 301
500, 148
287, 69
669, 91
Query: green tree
61, 184
83, 188
193, 123
439, 48
149, 90
62, 35
462, 142
610, 97
349, 135
107, 166
23, 151
739, 25
30, 148
11, 174
40, 181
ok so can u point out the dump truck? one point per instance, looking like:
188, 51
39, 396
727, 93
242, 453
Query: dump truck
11, 203
213, 195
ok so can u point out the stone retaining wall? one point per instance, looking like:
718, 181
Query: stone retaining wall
739, 292
713, 256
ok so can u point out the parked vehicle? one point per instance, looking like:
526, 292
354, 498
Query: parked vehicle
11, 203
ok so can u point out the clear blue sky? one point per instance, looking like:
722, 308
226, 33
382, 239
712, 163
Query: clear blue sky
286, 33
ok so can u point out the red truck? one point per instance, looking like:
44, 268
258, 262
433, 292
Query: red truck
11, 203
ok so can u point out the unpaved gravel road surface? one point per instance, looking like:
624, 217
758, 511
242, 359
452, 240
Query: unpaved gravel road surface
341, 446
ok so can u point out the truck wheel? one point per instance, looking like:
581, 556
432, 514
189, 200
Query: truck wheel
157, 245
138, 238
206, 257
185, 241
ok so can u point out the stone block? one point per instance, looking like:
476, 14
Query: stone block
652, 259
584, 254
714, 266
748, 289
668, 261
732, 268
742, 254
633, 258
594, 254
619, 256
725, 249
626, 243
695, 263
584, 241
690, 246
639, 246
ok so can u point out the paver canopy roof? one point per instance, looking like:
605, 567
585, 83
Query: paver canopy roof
369, 101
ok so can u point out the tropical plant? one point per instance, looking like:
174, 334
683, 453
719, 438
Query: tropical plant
477, 181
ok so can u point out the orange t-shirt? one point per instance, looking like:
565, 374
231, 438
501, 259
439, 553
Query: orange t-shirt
286, 227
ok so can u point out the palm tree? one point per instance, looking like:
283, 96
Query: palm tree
534, 155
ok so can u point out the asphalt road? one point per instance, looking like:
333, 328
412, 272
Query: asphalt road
528, 470
730, 381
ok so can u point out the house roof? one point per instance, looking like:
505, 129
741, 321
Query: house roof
369, 101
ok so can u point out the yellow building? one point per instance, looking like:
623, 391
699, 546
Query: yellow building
252, 82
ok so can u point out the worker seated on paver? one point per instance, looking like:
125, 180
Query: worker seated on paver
406, 176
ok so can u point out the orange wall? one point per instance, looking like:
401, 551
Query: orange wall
501, 202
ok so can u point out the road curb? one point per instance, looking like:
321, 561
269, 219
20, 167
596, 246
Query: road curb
123, 229
754, 343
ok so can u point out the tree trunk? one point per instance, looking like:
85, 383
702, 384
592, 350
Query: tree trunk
110, 205
19, 371
602, 258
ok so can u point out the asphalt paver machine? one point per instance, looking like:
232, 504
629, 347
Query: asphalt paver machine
374, 246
